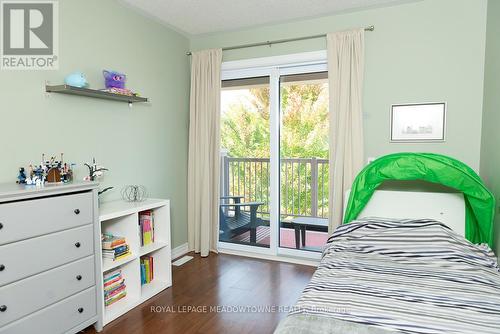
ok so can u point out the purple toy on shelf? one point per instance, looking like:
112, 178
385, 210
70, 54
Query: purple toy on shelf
114, 79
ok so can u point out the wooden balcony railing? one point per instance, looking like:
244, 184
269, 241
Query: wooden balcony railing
303, 184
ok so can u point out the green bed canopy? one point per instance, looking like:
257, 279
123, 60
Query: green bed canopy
435, 168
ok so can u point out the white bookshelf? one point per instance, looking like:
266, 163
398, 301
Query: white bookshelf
122, 219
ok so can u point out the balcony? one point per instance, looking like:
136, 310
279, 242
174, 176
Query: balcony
303, 200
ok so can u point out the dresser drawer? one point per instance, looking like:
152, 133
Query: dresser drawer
25, 258
31, 218
32, 294
57, 318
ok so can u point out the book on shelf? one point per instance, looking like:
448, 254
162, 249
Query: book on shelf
110, 241
114, 299
147, 269
114, 287
114, 247
146, 227
111, 274
113, 284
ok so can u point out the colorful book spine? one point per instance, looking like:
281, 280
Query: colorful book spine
114, 299
114, 247
143, 274
114, 287
111, 284
147, 269
115, 291
111, 242
146, 227
112, 274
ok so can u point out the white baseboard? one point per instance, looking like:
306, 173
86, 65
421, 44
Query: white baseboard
294, 260
183, 249
180, 250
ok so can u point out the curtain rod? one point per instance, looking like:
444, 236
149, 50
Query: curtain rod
279, 41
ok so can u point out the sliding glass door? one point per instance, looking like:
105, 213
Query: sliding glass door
304, 161
245, 156
274, 159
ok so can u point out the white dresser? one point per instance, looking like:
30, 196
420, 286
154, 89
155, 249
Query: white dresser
48, 269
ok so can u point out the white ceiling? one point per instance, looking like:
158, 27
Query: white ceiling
195, 17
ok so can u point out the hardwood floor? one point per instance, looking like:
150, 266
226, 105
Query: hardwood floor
220, 280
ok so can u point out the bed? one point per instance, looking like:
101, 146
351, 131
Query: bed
386, 275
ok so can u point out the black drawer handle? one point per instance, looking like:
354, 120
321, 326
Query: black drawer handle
3, 308
80, 310
77, 211
2, 267
1, 226
77, 244
79, 277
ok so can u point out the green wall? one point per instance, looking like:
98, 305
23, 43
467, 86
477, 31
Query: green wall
490, 150
146, 144
423, 51
431, 50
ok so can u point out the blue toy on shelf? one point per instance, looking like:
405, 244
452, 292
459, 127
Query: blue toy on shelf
76, 79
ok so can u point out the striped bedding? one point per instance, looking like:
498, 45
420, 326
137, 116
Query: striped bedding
408, 276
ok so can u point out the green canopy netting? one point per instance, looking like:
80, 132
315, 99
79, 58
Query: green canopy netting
435, 168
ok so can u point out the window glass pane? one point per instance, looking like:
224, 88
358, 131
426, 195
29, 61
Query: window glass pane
245, 83
245, 143
306, 78
304, 160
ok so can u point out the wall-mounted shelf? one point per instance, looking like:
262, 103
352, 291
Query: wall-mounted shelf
71, 90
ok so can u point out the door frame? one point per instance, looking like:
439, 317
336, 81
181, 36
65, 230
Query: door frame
274, 67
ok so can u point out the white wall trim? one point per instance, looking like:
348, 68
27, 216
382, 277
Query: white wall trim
299, 253
261, 256
295, 59
242, 248
183, 249
180, 250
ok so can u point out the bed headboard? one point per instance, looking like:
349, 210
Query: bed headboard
448, 208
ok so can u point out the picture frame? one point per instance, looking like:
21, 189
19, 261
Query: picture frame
418, 122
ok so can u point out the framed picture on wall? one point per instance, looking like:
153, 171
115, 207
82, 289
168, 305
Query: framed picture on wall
419, 122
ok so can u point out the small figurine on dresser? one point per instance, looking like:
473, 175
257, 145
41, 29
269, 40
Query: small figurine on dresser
36, 177
21, 178
51, 171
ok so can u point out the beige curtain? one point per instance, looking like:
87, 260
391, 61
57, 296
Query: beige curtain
345, 73
204, 151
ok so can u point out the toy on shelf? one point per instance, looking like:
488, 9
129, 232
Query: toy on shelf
21, 178
53, 174
113, 79
115, 83
51, 171
76, 79
36, 176
95, 171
